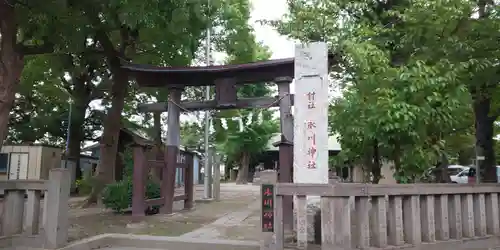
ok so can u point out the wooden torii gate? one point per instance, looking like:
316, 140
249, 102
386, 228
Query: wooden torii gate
226, 79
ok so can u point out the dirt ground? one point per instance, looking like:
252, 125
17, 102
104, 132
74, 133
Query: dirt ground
93, 221
249, 229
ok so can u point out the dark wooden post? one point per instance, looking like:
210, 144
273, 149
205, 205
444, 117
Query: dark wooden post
158, 149
286, 147
172, 150
138, 183
189, 182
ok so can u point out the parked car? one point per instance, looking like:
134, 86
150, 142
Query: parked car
468, 175
453, 171
462, 177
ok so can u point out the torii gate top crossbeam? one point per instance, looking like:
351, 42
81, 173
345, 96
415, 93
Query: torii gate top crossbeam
255, 72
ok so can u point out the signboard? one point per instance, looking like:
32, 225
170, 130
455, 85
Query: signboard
311, 114
267, 203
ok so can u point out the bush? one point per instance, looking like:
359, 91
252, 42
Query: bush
84, 186
118, 196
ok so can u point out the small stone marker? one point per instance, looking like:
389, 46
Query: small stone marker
267, 203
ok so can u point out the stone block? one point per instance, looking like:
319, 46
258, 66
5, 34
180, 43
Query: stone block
256, 180
313, 221
313, 217
268, 176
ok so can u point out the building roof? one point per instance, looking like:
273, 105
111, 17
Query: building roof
333, 144
255, 72
140, 138
137, 136
31, 144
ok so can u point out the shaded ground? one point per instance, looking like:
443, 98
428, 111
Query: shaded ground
243, 224
93, 221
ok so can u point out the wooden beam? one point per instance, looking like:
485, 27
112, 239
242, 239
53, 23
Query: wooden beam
243, 103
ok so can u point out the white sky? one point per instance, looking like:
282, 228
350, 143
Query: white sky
271, 10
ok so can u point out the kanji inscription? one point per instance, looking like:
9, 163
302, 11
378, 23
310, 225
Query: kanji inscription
267, 194
311, 114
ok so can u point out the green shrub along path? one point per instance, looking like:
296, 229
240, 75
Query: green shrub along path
118, 196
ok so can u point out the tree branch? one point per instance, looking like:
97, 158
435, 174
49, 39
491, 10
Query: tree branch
110, 51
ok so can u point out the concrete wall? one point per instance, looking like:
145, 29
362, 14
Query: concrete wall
85, 166
196, 169
51, 158
358, 175
40, 159
31, 165
179, 177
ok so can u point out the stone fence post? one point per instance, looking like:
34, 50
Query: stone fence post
13, 212
56, 200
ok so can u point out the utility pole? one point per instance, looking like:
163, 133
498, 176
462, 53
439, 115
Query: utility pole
208, 168
479, 158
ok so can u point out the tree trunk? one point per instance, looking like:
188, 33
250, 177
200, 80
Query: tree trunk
376, 165
396, 158
484, 138
441, 173
11, 65
228, 167
76, 133
109, 139
242, 177
372, 164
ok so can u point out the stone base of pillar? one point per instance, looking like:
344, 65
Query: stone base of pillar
313, 218
168, 179
313, 221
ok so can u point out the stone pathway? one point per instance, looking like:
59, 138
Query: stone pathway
217, 228
243, 224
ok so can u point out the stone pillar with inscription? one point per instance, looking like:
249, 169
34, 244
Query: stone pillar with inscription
310, 163
268, 178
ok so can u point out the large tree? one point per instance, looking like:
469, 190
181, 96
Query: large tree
169, 31
26, 29
405, 70
247, 132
